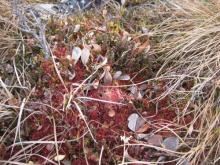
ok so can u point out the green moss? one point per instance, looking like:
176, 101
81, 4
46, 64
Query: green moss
138, 104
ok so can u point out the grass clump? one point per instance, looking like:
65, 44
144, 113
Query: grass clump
190, 47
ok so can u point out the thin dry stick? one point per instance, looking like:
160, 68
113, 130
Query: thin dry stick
99, 100
5, 88
84, 151
55, 139
100, 157
83, 117
15, 68
18, 128
12, 162
57, 70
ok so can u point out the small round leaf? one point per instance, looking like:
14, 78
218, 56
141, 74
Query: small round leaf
171, 143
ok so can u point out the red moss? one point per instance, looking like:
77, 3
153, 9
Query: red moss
106, 128
60, 51
47, 67
79, 161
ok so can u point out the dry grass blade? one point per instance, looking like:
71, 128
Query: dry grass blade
191, 47
8, 31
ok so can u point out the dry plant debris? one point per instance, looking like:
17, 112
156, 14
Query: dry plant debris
113, 85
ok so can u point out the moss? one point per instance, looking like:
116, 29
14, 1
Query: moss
138, 104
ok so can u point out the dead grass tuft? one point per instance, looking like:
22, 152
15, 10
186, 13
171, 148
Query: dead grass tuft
190, 48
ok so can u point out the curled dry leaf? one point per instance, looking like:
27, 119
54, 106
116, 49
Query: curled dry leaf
76, 54
171, 143
145, 47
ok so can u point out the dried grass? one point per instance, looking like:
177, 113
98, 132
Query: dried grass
190, 45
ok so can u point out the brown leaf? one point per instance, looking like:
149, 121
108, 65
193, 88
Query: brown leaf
13, 102
144, 47
2, 151
143, 128
96, 48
